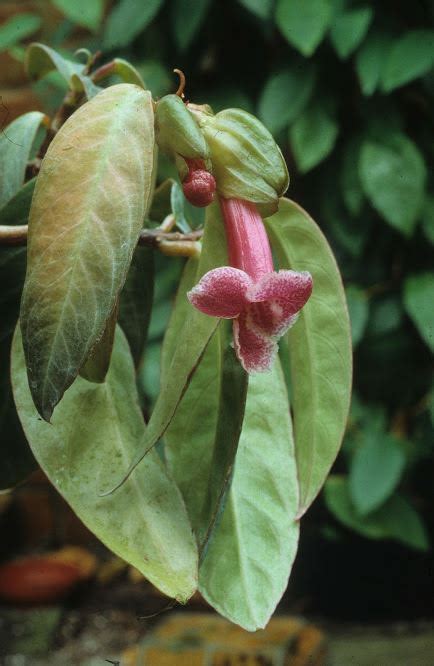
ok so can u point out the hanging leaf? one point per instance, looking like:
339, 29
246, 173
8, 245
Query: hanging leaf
410, 57
187, 17
313, 136
40, 60
127, 20
97, 365
418, 301
84, 13
385, 315
179, 316
128, 72
247, 565
15, 146
304, 24
96, 430
18, 27
376, 470
261, 8
393, 176
135, 305
358, 308
84, 84
428, 218
17, 209
191, 342
177, 203
17, 460
352, 192
395, 519
320, 348
349, 29
81, 238
370, 59
285, 95
202, 439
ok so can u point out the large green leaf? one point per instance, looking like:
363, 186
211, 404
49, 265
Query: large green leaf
191, 342
395, 519
40, 60
85, 13
304, 24
94, 433
320, 348
313, 136
90, 200
135, 303
127, 19
393, 176
17, 460
187, 17
419, 303
376, 470
248, 561
202, 439
349, 29
15, 145
285, 95
410, 57
18, 27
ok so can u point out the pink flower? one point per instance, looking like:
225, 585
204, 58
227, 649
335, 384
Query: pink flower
263, 303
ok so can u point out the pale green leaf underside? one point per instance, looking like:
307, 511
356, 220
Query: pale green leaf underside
249, 558
94, 433
202, 439
320, 348
90, 200
189, 343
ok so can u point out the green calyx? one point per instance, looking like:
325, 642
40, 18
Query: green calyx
177, 132
247, 163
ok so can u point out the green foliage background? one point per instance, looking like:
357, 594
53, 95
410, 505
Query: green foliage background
347, 89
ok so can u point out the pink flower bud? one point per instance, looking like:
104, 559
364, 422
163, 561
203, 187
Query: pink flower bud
199, 186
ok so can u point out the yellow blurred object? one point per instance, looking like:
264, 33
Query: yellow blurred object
110, 570
134, 575
81, 558
197, 639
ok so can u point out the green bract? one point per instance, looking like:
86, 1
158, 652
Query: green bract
246, 161
177, 132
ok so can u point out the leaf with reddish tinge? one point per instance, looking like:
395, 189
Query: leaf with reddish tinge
90, 200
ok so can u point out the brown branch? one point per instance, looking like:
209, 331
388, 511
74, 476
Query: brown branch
13, 235
172, 244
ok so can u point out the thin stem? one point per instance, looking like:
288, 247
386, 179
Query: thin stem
180, 91
13, 235
172, 244
103, 71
